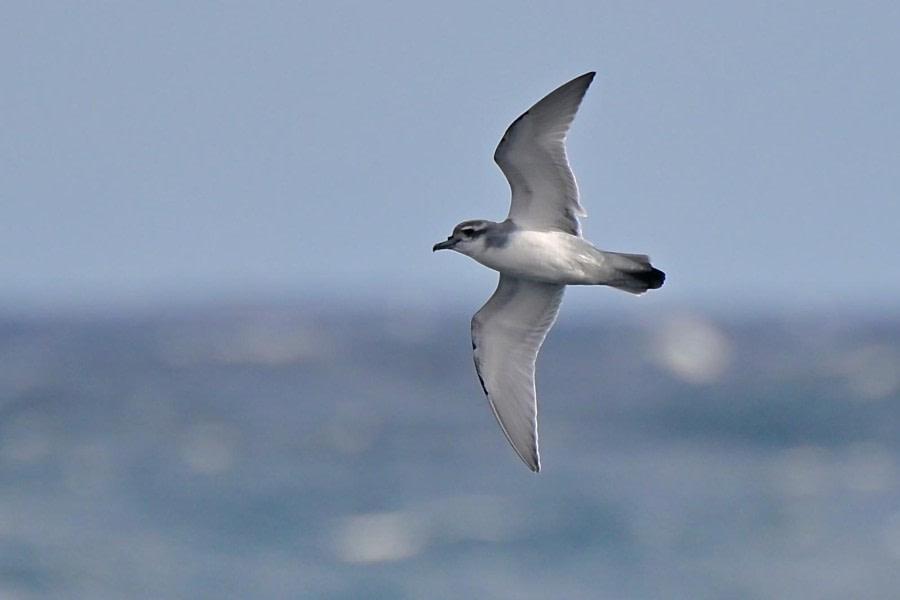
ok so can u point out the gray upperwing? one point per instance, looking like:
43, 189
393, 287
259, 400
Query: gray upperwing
507, 333
532, 156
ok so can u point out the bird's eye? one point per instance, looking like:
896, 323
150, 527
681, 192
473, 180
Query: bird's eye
467, 232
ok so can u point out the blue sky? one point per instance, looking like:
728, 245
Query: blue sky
162, 152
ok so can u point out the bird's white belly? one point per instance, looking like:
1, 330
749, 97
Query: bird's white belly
548, 256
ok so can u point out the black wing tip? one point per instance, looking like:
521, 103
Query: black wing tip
580, 83
579, 86
588, 78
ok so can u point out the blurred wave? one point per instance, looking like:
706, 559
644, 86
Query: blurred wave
285, 453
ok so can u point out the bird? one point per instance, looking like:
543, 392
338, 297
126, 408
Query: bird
538, 250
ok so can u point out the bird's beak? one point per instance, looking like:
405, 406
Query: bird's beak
446, 245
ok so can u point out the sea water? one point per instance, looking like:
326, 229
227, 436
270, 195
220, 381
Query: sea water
272, 452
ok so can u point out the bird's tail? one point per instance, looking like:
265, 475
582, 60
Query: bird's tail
635, 273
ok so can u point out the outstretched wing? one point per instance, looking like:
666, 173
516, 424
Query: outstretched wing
532, 156
507, 333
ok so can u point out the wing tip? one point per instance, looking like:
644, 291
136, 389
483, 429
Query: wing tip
587, 79
530, 456
532, 460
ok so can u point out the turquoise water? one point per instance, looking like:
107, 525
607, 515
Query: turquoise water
273, 453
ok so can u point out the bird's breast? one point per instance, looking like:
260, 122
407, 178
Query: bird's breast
548, 256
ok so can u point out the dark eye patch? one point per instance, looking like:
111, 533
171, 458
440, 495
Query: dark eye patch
467, 232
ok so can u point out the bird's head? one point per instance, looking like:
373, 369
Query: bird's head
467, 237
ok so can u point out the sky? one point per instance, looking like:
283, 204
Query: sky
165, 152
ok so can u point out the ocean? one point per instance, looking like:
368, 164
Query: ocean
286, 452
